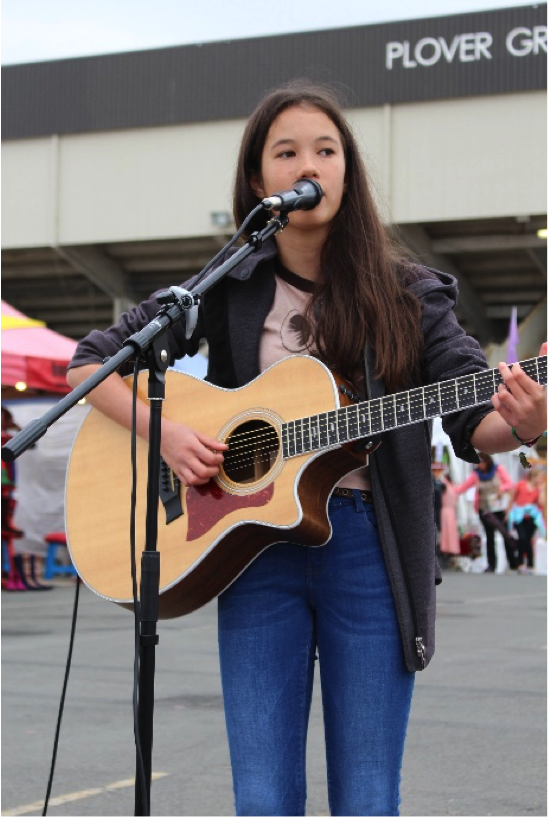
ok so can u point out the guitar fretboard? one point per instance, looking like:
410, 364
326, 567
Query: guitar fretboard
333, 428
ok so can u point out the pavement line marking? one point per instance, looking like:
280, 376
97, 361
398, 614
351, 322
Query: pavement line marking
77, 795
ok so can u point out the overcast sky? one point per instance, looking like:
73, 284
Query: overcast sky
35, 30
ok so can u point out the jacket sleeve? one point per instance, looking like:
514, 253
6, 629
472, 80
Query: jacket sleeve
449, 353
97, 346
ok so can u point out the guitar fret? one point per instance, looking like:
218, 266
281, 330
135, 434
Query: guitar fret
322, 427
541, 368
291, 438
417, 406
447, 397
376, 418
465, 391
306, 434
352, 414
530, 369
298, 437
332, 431
484, 389
285, 441
432, 401
388, 412
364, 415
403, 408
342, 425
314, 433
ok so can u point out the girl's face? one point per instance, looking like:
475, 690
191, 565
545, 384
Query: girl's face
303, 142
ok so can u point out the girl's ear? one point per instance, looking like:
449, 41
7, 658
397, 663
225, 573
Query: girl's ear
256, 185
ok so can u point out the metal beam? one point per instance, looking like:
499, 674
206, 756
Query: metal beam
63, 302
539, 260
487, 243
101, 270
470, 303
164, 263
501, 311
50, 271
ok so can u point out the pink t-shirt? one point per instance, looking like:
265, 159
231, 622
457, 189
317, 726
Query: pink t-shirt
287, 331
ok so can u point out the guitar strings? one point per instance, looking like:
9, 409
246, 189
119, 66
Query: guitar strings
375, 414
242, 464
249, 443
376, 408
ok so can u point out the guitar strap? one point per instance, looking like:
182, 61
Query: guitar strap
374, 387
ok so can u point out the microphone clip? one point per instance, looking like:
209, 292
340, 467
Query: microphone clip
280, 220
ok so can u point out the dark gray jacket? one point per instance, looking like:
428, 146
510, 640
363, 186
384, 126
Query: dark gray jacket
231, 317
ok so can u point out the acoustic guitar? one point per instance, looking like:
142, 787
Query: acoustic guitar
278, 473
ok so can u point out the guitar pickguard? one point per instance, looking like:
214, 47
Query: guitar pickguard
208, 504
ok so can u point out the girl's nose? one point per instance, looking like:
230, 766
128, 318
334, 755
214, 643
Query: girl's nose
308, 170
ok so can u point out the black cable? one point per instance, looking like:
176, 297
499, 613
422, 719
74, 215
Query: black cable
234, 238
63, 694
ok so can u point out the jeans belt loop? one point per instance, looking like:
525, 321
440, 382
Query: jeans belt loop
356, 494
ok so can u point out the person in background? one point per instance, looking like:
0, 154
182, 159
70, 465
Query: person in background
332, 285
9, 477
449, 542
524, 513
492, 483
438, 469
26, 566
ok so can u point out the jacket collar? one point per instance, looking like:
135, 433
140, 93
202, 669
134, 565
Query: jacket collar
246, 268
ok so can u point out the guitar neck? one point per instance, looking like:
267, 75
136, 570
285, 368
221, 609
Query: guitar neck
370, 417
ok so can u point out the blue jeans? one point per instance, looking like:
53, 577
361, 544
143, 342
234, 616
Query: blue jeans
290, 602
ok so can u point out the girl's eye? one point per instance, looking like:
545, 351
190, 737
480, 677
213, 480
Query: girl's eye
327, 152
285, 154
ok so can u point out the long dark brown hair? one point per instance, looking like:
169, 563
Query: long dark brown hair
362, 274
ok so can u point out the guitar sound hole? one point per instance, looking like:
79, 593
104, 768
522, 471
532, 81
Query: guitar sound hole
252, 451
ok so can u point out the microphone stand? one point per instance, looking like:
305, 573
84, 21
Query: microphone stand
147, 344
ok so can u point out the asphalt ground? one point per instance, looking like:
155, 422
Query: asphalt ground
477, 735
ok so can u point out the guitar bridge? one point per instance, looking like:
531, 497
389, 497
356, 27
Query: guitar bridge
170, 492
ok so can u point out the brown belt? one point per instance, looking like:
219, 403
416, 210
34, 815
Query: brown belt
367, 496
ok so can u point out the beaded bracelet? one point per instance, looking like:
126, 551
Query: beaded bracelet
529, 443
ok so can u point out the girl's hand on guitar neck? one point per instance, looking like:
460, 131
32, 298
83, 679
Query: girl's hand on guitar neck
520, 401
193, 456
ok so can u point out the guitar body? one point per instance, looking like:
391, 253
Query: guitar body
257, 499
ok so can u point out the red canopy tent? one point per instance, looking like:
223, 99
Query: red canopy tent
33, 354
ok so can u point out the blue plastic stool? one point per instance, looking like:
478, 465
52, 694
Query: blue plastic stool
6, 566
52, 568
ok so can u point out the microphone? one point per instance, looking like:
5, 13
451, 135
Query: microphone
305, 195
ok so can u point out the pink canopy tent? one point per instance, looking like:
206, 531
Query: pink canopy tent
33, 354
